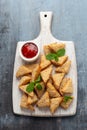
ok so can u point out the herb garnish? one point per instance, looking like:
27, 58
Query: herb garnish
31, 85
60, 52
38, 79
39, 87
54, 56
67, 98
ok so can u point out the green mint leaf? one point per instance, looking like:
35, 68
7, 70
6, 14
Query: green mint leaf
56, 58
50, 56
30, 87
66, 98
38, 79
60, 52
39, 87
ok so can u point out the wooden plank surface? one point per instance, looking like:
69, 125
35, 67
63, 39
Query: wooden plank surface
19, 20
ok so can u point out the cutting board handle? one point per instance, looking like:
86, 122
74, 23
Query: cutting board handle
45, 20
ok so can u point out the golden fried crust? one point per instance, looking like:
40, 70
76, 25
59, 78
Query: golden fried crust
44, 62
35, 72
46, 49
68, 88
32, 100
31, 66
56, 46
24, 80
50, 80
45, 74
24, 103
40, 92
64, 68
57, 79
54, 103
61, 61
44, 101
23, 70
52, 91
66, 105
23, 89
62, 85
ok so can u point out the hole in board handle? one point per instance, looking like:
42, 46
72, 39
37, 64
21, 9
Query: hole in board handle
45, 15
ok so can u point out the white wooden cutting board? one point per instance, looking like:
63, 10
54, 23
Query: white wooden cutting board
45, 37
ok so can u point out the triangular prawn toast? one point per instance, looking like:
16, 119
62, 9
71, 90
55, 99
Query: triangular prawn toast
33, 99
44, 62
64, 68
23, 89
57, 79
61, 61
24, 103
24, 80
52, 91
35, 72
62, 85
40, 92
65, 104
45, 74
56, 46
46, 49
22, 70
68, 87
31, 66
54, 103
44, 101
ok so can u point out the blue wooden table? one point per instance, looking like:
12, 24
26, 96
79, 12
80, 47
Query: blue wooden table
19, 20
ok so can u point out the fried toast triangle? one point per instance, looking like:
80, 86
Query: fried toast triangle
57, 79
54, 103
64, 68
45, 74
44, 101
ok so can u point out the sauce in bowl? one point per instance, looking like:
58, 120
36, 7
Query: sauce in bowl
29, 50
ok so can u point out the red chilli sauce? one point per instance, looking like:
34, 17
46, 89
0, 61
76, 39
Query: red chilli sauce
29, 50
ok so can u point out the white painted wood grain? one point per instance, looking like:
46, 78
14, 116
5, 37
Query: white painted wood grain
45, 37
